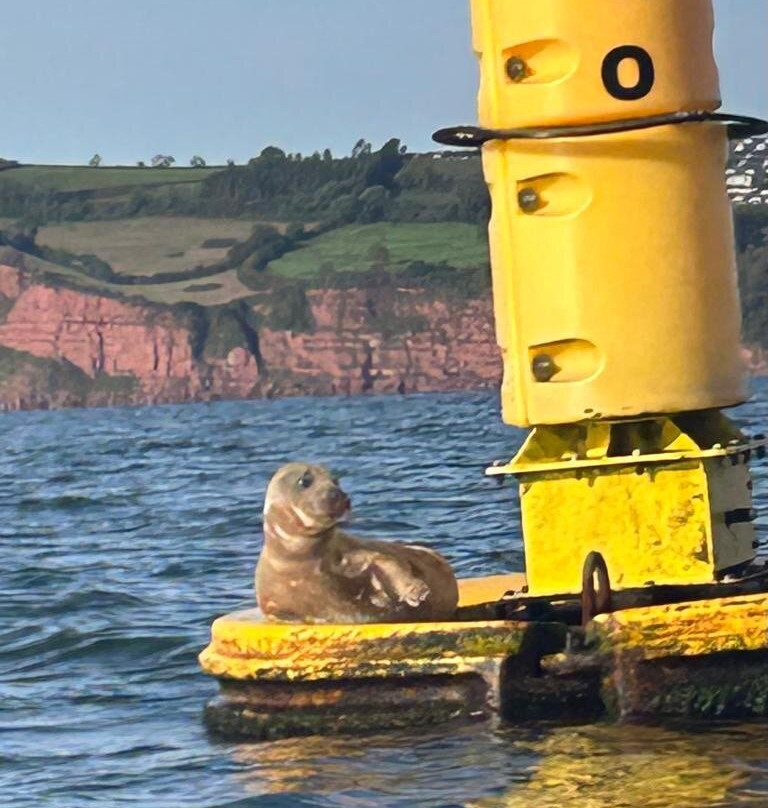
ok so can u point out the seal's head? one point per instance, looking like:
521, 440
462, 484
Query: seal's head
303, 501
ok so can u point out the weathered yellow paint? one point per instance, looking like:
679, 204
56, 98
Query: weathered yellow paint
243, 646
563, 45
623, 275
646, 495
649, 527
474, 591
686, 629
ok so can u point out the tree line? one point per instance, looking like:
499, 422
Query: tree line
369, 185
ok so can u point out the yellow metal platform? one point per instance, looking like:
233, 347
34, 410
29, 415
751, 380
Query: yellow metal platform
281, 679
664, 501
689, 659
246, 647
686, 659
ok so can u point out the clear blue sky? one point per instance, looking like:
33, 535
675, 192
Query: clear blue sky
224, 78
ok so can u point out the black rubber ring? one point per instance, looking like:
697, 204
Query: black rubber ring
739, 127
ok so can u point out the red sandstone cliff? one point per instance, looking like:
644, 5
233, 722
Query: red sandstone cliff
448, 346
121, 352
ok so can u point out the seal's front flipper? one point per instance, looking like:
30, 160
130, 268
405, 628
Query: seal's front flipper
415, 593
352, 563
390, 582
360, 565
379, 595
394, 578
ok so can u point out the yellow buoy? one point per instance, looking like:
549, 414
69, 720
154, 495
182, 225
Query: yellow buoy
559, 61
613, 265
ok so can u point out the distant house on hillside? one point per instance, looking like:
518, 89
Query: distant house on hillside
747, 172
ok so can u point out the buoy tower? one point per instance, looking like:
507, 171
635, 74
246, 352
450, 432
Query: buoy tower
615, 288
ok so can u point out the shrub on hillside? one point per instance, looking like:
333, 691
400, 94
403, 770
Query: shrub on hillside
21, 236
225, 332
264, 245
753, 281
290, 309
374, 204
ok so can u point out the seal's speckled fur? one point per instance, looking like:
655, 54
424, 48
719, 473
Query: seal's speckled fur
310, 571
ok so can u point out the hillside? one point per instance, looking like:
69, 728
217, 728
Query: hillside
288, 275
116, 179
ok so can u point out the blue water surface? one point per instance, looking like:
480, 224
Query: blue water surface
124, 532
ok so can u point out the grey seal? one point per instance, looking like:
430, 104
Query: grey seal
310, 571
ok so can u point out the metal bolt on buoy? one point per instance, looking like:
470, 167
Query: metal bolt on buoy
517, 69
544, 368
529, 200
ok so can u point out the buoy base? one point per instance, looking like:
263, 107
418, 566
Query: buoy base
729, 686
705, 658
272, 710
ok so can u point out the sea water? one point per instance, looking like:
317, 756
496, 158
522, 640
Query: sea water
125, 532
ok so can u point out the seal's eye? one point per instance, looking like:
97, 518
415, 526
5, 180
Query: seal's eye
305, 480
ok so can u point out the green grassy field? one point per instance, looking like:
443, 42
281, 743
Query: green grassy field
211, 291
85, 178
147, 246
214, 290
31, 262
351, 248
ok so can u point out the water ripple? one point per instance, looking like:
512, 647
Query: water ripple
125, 532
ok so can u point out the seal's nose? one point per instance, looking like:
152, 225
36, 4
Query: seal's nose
338, 500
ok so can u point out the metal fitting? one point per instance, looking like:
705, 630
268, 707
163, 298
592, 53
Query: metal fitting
544, 368
529, 200
517, 69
